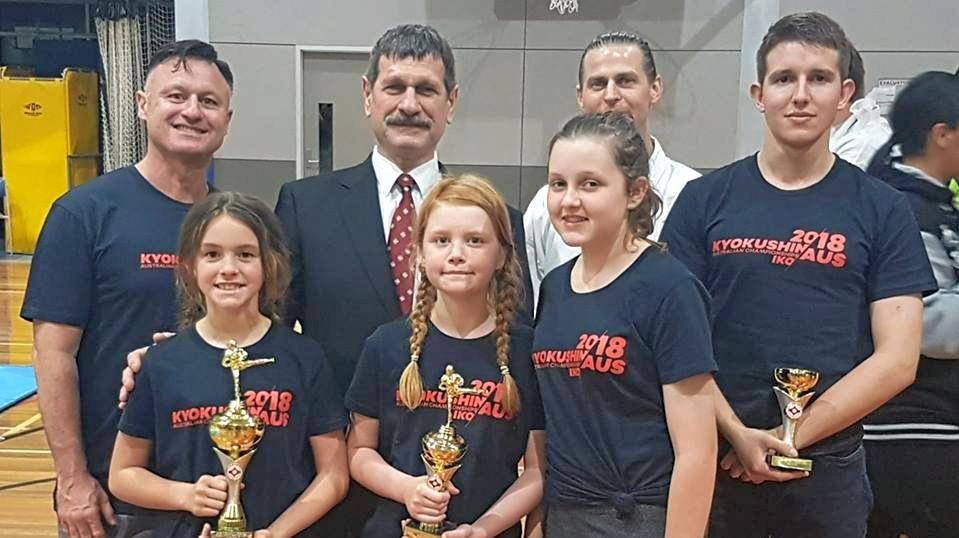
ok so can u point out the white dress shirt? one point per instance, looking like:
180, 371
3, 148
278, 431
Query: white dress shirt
426, 175
862, 134
546, 249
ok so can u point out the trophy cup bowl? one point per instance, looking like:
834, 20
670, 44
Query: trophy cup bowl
235, 432
796, 380
443, 450
793, 398
236, 427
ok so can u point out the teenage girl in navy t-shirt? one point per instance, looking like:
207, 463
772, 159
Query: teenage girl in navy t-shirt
469, 286
622, 351
232, 276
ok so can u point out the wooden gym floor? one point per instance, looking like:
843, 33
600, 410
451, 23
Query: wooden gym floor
26, 468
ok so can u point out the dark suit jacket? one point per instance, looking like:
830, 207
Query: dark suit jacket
342, 286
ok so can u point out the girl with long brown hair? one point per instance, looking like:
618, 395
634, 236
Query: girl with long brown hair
232, 274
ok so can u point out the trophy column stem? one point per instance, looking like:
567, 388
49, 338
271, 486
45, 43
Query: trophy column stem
233, 518
789, 433
791, 408
236, 385
789, 424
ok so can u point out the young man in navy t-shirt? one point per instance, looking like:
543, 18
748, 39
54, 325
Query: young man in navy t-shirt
811, 264
101, 281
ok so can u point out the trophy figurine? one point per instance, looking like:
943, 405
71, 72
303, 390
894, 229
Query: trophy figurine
442, 452
793, 397
235, 432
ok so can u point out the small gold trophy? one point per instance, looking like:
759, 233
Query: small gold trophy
235, 432
792, 401
442, 452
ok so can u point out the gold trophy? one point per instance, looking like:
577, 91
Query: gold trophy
442, 452
235, 432
792, 401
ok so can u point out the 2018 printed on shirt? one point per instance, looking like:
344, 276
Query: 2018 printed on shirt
820, 247
600, 353
272, 406
466, 407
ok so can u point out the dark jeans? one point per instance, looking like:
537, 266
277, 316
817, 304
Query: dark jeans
832, 502
915, 485
645, 521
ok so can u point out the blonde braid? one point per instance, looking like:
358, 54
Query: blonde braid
506, 293
411, 382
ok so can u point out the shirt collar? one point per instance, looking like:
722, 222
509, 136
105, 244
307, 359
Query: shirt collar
845, 126
864, 110
658, 161
426, 175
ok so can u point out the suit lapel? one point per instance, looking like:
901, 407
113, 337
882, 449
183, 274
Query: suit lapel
364, 223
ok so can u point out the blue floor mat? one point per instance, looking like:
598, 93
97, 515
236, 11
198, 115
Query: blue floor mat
16, 384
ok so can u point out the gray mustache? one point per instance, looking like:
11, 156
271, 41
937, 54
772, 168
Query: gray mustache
407, 121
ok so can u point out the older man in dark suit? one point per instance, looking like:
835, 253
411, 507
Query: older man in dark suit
351, 271
339, 224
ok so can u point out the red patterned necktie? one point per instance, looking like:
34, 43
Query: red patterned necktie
400, 243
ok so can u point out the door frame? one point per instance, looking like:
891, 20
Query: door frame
301, 51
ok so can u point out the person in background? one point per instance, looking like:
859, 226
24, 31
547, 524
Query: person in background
859, 131
617, 72
912, 442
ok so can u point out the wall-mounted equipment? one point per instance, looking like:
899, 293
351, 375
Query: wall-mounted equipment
50, 144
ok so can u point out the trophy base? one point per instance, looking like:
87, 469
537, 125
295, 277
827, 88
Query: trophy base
231, 534
789, 464
415, 529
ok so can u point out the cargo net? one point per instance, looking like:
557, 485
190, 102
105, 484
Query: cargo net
564, 6
129, 32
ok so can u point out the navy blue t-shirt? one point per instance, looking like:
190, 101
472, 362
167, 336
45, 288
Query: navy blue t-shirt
183, 384
495, 442
601, 359
104, 263
792, 275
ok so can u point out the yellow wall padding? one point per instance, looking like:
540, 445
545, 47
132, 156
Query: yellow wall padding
50, 144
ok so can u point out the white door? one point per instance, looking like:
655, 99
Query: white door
332, 88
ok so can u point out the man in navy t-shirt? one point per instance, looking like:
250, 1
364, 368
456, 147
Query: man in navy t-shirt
812, 264
102, 278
